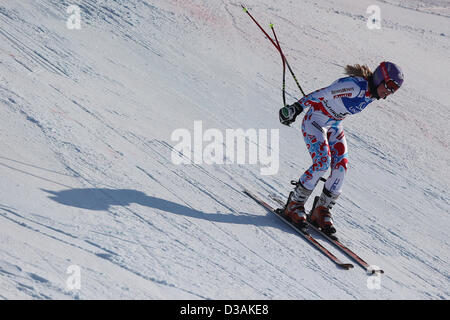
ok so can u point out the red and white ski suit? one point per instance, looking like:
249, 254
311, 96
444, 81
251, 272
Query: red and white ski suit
323, 131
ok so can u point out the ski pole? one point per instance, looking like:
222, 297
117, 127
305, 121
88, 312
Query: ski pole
295, 78
276, 46
283, 88
285, 60
265, 33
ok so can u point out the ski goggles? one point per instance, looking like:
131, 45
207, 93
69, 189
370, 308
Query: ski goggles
391, 85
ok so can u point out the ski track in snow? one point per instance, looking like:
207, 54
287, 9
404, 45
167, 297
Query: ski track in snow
87, 171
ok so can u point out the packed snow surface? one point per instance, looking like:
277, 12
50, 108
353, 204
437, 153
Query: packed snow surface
93, 206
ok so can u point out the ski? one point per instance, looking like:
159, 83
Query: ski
337, 243
304, 234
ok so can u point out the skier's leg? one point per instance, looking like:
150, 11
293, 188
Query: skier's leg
321, 215
317, 144
339, 159
314, 133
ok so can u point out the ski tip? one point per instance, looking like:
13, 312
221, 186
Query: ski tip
346, 266
376, 272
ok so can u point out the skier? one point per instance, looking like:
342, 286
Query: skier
324, 136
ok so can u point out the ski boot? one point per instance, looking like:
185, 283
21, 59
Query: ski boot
320, 215
294, 209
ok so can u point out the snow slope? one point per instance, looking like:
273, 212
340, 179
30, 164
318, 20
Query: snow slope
88, 178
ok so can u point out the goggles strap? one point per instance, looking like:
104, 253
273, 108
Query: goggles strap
385, 72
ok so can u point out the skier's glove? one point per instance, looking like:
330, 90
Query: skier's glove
289, 113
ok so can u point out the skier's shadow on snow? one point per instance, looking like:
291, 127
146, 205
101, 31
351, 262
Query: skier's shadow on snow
104, 199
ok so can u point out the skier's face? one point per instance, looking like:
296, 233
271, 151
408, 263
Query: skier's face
382, 91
